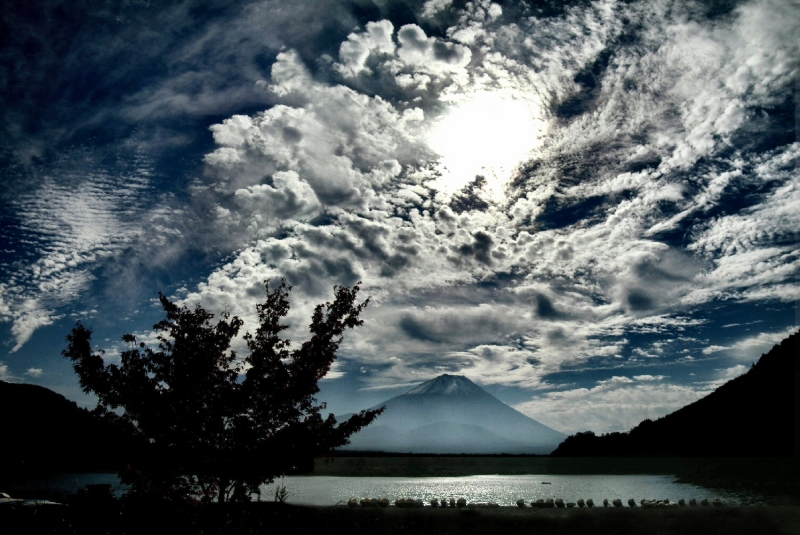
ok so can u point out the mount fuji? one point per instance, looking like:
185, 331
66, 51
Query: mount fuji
451, 414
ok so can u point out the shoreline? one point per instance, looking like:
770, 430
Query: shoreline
113, 518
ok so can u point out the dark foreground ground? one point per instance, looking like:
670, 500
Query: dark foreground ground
271, 518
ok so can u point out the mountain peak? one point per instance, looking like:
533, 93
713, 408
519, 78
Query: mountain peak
446, 385
451, 414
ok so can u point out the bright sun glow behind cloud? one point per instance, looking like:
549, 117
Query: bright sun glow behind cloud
488, 134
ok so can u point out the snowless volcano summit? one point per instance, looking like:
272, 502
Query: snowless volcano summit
451, 414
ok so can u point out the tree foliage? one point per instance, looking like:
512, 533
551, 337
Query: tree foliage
208, 424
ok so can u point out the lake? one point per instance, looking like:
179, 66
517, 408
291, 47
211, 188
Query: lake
503, 489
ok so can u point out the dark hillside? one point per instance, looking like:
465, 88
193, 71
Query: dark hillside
754, 415
43, 432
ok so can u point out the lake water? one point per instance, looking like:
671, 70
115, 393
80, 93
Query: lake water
505, 490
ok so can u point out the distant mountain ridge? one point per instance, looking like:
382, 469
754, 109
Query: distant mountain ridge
755, 414
451, 414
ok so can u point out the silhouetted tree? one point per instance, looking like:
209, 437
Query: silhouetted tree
211, 425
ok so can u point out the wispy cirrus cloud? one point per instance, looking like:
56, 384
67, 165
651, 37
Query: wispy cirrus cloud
68, 226
611, 272
652, 179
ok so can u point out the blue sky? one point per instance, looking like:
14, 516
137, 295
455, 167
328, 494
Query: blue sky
591, 208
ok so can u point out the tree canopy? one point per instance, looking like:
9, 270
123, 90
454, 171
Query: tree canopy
208, 424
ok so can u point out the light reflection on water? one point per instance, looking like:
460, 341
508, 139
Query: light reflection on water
505, 490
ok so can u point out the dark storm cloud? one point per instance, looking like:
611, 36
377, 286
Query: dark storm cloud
460, 326
480, 249
420, 330
655, 272
317, 269
638, 300
558, 214
656, 279
470, 197
545, 308
587, 79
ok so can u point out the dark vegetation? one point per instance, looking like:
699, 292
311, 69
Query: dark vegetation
207, 425
753, 415
750, 423
43, 432
747, 432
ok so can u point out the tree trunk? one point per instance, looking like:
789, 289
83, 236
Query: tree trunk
223, 485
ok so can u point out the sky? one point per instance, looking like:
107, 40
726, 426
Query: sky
591, 209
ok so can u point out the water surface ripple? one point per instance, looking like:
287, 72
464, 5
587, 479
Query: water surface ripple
504, 490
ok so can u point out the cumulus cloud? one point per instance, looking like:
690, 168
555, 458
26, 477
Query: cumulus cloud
432, 7
659, 182
289, 197
616, 404
341, 143
354, 52
648, 377
429, 54
655, 279
34, 372
617, 225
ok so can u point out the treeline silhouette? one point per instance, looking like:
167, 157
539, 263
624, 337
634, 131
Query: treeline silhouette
44, 432
753, 415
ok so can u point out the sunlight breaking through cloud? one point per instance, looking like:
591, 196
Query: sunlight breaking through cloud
488, 134
638, 187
